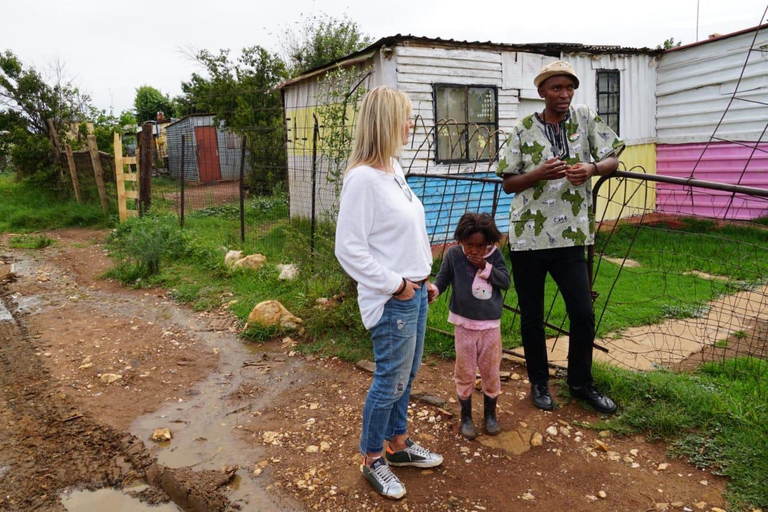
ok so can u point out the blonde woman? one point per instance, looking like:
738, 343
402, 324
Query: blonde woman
381, 242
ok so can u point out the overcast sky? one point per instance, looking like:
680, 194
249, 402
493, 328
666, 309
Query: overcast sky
111, 48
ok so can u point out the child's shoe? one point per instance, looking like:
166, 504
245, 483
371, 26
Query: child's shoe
492, 427
468, 429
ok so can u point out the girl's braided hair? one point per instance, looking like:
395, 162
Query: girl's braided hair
471, 223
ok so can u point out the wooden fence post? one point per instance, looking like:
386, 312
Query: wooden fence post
98, 171
146, 168
73, 172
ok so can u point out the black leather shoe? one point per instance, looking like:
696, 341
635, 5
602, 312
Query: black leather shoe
600, 402
541, 397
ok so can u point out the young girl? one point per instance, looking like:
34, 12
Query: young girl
476, 272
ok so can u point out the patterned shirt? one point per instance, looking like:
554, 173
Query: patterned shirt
554, 213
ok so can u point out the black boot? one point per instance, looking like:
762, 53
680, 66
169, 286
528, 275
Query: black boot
491, 425
467, 426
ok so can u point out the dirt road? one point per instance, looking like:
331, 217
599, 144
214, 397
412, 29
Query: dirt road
88, 370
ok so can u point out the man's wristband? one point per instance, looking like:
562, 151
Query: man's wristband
597, 171
401, 289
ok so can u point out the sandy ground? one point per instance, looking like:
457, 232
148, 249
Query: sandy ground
265, 428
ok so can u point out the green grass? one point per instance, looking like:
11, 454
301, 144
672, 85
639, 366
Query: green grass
26, 207
30, 241
717, 418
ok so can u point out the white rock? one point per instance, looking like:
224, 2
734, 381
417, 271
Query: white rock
231, 257
662, 466
528, 496
252, 262
312, 449
536, 439
325, 446
288, 272
602, 494
552, 431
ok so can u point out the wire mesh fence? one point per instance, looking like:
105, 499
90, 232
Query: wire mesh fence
671, 289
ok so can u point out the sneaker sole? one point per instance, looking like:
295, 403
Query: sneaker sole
425, 464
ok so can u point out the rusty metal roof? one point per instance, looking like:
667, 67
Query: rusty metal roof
549, 49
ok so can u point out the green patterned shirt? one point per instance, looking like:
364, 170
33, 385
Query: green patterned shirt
554, 213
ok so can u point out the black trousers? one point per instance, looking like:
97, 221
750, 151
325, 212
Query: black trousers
568, 267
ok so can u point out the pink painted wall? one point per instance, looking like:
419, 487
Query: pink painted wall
722, 162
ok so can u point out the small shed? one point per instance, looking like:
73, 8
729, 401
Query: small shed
211, 152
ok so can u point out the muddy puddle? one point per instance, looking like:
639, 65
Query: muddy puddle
111, 500
206, 421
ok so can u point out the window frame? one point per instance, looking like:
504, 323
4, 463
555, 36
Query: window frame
494, 126
609, 73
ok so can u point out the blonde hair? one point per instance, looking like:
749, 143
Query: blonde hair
383, 116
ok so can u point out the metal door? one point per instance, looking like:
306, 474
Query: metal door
207, 153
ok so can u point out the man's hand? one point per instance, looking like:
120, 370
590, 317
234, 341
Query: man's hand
552, 169
432, 292
580, 173
478, 261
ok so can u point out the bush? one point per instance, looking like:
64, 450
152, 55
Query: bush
142, 243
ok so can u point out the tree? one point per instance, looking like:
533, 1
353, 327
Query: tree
149, 101
319, 40
668, 43
34, 108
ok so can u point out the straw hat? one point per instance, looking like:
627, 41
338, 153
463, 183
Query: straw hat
557, 68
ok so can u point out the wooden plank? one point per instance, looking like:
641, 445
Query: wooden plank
453, 72
98, 172
120, 177
131, 194
73, 172
130, 160
459, 64
424, 51
130, 176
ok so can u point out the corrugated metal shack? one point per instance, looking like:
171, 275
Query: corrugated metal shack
211, 153
467, 95
709, 129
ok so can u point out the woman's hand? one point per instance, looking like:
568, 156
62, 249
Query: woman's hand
580, 173
409, 291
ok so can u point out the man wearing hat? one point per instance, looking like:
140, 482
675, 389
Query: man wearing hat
548, 162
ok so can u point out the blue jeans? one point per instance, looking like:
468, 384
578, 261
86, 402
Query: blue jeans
398, 344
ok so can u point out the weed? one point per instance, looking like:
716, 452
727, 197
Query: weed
30, 241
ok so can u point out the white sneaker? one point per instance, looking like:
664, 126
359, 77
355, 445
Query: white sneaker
383, 479
414, 455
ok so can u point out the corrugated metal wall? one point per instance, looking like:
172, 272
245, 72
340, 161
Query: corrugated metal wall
722, 163
174, 132
637, 83
625, 198
695, 86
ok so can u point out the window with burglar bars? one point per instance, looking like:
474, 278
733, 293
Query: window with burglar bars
466, 123
608, 97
